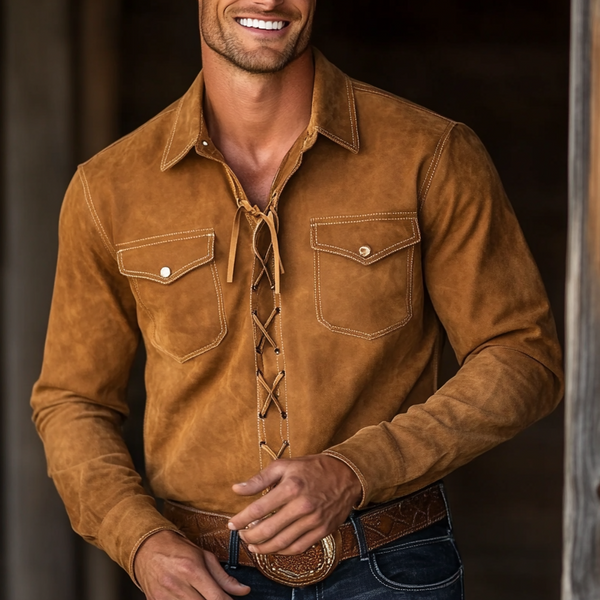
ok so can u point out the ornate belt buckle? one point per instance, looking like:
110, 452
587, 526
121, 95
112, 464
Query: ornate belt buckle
308, 568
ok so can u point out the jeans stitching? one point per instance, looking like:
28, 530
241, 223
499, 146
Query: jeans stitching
379, 576
443, 492
435, 540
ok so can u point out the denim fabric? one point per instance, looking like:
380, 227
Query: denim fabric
425, 565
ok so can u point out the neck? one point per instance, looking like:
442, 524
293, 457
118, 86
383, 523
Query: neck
250, 113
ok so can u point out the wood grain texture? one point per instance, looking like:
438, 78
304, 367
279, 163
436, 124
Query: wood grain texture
581, 562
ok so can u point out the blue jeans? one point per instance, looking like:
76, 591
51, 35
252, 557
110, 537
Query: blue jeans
421, 566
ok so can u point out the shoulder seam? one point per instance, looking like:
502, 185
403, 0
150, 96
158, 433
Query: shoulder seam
433, 165
365, 87
167, 111
94, 213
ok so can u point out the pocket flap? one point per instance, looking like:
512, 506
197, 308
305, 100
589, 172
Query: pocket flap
166, 258
365, 238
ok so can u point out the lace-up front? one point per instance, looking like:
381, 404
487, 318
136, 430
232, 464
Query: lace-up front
270, 374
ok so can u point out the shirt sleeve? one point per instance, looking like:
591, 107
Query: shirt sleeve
486, 291
79, 400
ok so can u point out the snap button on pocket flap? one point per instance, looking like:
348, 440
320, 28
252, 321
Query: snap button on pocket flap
365, 238
166, 258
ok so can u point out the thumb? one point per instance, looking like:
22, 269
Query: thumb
261, 481
228, 583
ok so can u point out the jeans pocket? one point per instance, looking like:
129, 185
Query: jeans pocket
426, 567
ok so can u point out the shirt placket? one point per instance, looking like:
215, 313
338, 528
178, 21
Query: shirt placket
266, 301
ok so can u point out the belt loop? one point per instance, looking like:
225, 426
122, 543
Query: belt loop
360, 535
442, 489
234, 550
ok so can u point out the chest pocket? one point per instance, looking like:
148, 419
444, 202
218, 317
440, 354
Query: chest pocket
364, 272
175, 280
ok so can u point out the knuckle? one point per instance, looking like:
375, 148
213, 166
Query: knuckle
322, 532
295, 485
186, 565
314, 520
167, 580
307, 506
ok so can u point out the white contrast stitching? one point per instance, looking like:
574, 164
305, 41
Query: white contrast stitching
90, 204
181, 271
398, 586
415, 238
222, 320
179, 239
334, 137
350, 95
166, 235
285, 386
437, 162
356, 218
360, 334
357, 472
416, 544
163, 164
426, 178
260, 428
364, 87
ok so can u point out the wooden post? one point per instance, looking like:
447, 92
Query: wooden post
37, 147
581, 563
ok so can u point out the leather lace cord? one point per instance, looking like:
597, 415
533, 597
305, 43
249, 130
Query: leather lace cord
264, 330
272, 223
271, 395
264, 446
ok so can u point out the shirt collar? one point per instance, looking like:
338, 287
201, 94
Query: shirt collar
333, 114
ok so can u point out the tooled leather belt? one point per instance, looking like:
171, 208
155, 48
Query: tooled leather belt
365, 531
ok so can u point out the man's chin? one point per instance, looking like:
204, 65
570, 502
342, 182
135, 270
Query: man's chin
260, 62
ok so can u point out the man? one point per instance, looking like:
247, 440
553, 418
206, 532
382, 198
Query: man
353, 229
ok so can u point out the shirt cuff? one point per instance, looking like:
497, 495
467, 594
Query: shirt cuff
127, 526
357, 472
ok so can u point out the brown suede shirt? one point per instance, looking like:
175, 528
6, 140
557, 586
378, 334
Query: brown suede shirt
387, 225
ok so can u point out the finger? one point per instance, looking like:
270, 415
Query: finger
259, 509
268, 528
223, 579
261, 481
294, 539
208, 589
303, 543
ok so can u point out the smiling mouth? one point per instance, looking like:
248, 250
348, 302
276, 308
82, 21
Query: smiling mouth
263, 25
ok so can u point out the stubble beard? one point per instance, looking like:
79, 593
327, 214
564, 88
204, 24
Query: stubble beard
262, 61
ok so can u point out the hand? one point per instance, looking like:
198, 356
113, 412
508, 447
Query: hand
313, 497
168, 566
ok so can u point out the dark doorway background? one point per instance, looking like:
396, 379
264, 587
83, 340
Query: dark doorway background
502, 68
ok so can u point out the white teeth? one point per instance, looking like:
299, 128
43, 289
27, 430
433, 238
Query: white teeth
266, 25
